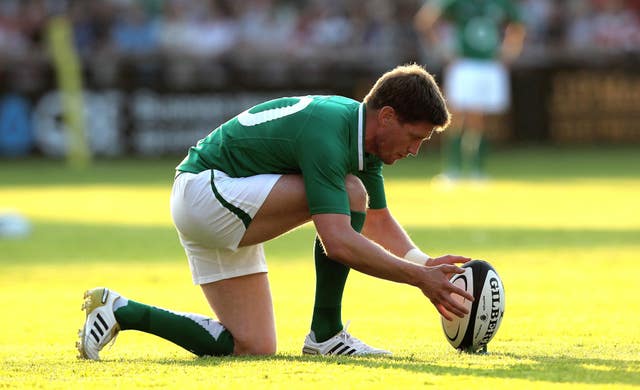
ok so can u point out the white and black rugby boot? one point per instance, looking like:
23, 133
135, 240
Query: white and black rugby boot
100, 326
340, 344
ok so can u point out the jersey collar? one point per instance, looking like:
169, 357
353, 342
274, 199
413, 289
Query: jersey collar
361, 137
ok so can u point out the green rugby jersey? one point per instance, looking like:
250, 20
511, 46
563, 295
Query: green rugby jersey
320, 137
478, 24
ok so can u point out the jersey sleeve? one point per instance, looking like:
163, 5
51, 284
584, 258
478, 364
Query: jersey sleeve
323, 164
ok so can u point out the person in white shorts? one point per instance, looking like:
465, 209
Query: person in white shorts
209, 231
488, 35
270, 169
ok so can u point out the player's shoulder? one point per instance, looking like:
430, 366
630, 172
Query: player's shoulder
330, 119
334, 100
334, 104
324, 102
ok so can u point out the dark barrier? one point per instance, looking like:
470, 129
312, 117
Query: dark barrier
132, 107
572, 102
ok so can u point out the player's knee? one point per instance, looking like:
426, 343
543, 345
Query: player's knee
357, 193
262, 346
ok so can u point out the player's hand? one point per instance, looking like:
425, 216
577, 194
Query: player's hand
446, 259
437, 287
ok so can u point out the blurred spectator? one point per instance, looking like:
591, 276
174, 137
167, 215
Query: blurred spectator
276, 36
12, 40
134, 32
174, 33
615, 26
91, 22
579, 34
265, 27
213, 31
33, 20
489, 37
330, 28
610, 25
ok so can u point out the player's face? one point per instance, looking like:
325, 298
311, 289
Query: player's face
399, 140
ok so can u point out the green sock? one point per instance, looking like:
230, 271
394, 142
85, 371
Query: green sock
475, 148
452, 155
331, 277
480, 157
193, 332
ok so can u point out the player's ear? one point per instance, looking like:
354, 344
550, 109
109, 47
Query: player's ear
386, 114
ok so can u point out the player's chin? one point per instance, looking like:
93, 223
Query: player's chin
392, 159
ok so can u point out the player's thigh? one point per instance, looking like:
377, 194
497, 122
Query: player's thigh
213, 210
284, 209
474, 121
244, 306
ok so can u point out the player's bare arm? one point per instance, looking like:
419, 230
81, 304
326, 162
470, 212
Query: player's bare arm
513, 42
343, 244
382, 228
426, 17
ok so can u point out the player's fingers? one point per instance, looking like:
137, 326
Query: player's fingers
455, 311
448, 259
451, 306
456, 307
461, 292
444, 312
447, 305
454, 259
451, 269
462, 259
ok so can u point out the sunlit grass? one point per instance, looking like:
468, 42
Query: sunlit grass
611, 204
566, 248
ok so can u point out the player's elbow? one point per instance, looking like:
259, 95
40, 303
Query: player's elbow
336, 249
336, 235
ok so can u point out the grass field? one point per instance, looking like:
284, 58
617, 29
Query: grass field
562, 227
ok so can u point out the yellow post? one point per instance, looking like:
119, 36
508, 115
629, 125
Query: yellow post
68, 74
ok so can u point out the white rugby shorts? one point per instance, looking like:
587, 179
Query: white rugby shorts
477, 85
211, 212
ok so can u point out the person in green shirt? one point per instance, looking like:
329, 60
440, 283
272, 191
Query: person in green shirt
489, 35
268, 170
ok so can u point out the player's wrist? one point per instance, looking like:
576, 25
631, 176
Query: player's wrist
416, 256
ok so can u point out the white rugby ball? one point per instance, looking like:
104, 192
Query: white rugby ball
473, 332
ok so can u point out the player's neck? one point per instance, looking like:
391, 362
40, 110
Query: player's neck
371, 131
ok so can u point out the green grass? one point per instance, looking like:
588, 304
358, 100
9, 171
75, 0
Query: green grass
561, 226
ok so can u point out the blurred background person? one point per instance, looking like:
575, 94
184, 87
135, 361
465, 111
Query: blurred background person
228, 55
487, 36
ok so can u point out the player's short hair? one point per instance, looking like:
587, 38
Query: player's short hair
413, 93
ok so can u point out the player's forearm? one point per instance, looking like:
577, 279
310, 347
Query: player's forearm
349, 247
514, 40
425, 18
363, 255
382, 228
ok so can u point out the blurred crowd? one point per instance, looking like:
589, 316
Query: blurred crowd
582, 27
278, 38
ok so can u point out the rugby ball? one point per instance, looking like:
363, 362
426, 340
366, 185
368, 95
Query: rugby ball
473, 332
